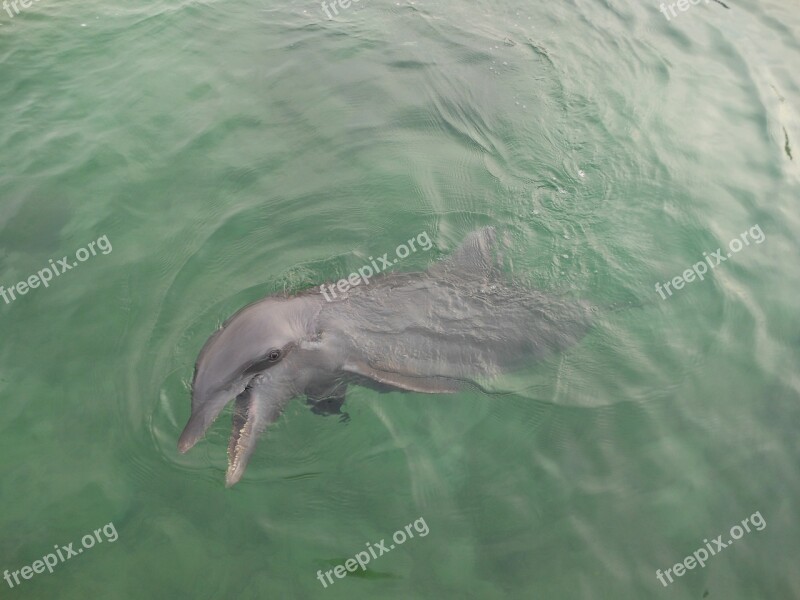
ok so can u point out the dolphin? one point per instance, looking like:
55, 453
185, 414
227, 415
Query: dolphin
430, 332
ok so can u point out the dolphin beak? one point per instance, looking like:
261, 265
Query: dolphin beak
203, 415
254, 410
189, 437
243, 435
258, 404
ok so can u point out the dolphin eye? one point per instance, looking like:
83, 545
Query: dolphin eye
265, 362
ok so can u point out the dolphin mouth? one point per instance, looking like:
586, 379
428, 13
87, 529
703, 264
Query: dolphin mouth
244, 433
255, 406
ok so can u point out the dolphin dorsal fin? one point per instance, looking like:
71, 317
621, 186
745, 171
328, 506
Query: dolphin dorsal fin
477, 256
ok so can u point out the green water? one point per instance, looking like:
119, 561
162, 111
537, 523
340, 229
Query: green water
229, 150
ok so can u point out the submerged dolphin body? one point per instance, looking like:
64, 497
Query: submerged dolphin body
429, 332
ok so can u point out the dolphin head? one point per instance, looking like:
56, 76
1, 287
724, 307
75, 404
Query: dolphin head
253, 358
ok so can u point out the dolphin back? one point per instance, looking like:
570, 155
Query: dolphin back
459, 319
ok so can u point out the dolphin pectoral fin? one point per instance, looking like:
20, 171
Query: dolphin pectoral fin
251, 415
409, 383
327, 398
330, 405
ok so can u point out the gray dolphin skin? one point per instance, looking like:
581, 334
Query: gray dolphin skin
429, 332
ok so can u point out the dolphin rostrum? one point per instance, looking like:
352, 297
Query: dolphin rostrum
430, 332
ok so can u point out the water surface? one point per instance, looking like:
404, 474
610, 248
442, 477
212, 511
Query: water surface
233, 150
